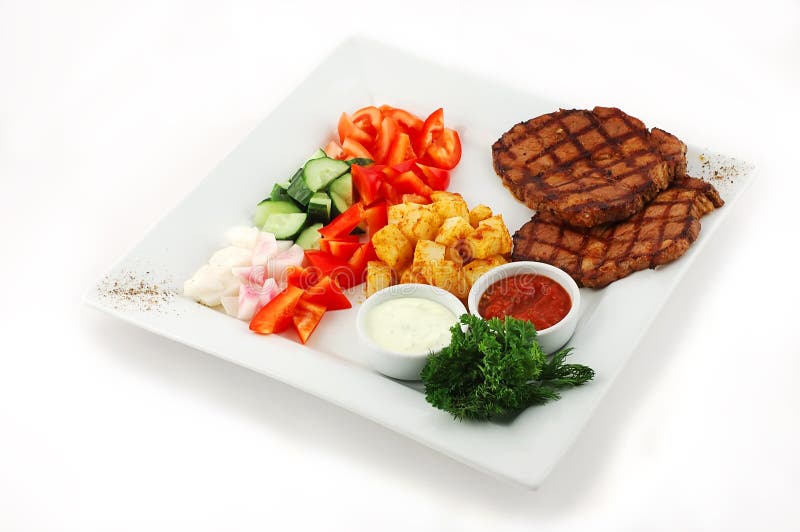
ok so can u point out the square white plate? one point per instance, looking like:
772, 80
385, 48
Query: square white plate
359, 73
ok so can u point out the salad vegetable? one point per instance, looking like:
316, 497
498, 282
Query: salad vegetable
495, 369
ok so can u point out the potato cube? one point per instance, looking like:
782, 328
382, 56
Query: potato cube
454, 229
427, 252
448, 276
478, 214
478, 267
491, 237
413, 275
439, 195
448, 208
419, 222
398, 212
392, 247
379, 276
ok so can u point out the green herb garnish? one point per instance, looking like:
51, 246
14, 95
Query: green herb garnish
496, 369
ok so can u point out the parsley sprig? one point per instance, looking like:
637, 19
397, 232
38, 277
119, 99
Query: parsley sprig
495, 369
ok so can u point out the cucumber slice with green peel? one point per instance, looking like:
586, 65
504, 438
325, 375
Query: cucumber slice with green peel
299, 191
285, 225
343, 187
319, 173
319, 208
339, 204
309, 238
268, 207
319, 154
360, 161
279, 193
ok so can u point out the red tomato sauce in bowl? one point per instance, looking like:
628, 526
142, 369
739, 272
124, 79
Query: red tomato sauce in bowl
535, 298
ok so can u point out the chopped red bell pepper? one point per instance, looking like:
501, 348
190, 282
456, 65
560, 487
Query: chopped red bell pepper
324, 261
302, 277
342, 249
307, 316
410, 183
276, 316
358, 263
390, 193
327, 293
367, 181
344, 223
377, 217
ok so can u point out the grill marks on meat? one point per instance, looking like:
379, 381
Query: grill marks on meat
587, 168
597, 256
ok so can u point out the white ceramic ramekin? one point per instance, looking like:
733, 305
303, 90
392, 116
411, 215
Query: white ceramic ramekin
554, 337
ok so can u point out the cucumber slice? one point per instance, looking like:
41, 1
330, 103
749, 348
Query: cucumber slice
319, 208
339, 204
319, 173
279, 193
343, 187
360, 161
299, 191
309, 238
319, 154
268, 207
285, 225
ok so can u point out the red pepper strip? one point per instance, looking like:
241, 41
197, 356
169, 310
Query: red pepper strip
324, 262
276, 316
327, 293
307, 316
367, 181
377, 217
302, 277
436, 178
358, 263
344, 223
342, 249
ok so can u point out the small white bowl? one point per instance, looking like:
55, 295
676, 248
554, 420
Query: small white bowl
554, 337
391, 363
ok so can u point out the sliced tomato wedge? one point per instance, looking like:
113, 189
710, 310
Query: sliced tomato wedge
342, 249
445, 150
367, 181
276, 316
307, 316
344, 223
334, 150
436, 178
409, 123
327, 293
433, 125
383, 142
354, 149
368, 120
376, 216
401, 150
347, 129
410, 183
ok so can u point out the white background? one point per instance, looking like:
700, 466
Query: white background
111, 111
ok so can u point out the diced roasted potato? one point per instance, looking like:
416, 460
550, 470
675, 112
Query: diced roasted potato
448, 276
454, 229
439, 195
491, 237
418, 222
478, 214
478, 267
379, 276
392, 247
398, 212
427, 252
413, 275
448, 208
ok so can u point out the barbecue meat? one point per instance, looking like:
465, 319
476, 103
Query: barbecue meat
587, 168
597, 256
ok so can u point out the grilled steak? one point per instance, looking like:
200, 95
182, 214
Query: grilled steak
597, 256
587, 168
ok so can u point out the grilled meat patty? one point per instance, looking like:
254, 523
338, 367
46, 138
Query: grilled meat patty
597, 256
587, 168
